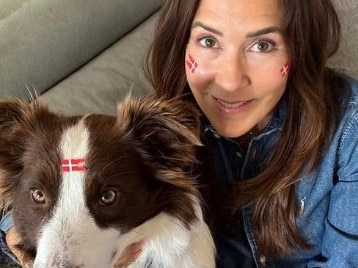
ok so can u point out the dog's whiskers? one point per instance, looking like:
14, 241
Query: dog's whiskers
33, 94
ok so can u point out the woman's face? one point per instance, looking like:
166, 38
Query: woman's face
237, 63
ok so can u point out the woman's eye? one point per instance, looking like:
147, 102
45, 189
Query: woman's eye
38, 196
108, 197
208, 42
263, 46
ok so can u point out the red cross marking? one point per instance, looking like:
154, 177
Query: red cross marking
191, 63
285, 69
73, 164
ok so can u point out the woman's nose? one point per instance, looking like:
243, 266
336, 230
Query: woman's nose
231, 73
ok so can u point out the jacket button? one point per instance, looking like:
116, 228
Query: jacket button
216, 135
263, 260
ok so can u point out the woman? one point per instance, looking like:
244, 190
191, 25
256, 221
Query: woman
283, 127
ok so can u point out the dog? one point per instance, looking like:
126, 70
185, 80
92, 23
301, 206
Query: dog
82, 189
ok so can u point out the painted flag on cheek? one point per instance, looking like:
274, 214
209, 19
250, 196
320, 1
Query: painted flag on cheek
191, 63
285, 69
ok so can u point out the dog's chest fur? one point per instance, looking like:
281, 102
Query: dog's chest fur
83, 188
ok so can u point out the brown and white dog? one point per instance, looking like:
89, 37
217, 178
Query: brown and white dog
83, 188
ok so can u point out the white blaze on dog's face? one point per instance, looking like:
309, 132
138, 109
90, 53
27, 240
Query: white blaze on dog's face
72, 228
130, 168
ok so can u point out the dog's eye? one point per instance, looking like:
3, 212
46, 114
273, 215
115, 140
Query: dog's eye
38, 196
108, 197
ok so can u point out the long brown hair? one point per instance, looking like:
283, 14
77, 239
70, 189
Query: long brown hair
312, 33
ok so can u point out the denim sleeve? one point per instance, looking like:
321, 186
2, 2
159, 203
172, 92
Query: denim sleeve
340, 238
6, 257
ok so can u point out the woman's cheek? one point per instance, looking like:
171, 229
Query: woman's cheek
198, 72
191, 64
285, 69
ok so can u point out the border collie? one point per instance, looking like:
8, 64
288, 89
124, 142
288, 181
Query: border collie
83, 188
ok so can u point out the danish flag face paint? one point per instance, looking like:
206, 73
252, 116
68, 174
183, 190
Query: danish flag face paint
285, 69
73, 164
191, 63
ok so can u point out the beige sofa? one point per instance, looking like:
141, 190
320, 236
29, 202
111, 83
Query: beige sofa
80, 56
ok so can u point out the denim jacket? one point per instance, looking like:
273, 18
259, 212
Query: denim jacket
328, 198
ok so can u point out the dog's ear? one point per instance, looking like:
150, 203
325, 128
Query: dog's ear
14, 115
167, 131
11, 112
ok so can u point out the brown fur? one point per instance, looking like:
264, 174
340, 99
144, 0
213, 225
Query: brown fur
148, 150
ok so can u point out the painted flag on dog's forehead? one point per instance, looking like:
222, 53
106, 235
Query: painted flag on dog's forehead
73, 164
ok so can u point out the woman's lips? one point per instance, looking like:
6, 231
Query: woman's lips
231, 105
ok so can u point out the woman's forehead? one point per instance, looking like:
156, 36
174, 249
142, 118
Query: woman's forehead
259, 13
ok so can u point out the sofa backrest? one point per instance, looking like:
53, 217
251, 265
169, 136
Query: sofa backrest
43, 41
346, 59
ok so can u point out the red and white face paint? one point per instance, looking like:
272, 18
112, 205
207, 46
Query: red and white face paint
237, 63
285, 69
191, 64
73, 164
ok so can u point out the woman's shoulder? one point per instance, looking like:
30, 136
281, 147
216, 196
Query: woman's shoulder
347, 88
343, 146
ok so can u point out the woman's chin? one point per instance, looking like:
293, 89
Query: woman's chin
229, 131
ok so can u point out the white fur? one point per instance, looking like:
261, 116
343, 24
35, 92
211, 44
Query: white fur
72, 235
170, 244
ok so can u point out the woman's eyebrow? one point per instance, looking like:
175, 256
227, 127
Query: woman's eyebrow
264, 31
206, 27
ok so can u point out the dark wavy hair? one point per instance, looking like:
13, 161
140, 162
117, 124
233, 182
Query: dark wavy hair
312, 34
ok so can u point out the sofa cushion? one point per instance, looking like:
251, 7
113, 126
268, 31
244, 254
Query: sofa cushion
346, 60
44, 41
99, 85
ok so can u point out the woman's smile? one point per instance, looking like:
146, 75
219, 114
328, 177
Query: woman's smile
232, 107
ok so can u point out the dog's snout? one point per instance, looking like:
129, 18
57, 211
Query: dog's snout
57, 262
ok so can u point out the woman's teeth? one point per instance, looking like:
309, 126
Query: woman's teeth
231, 105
